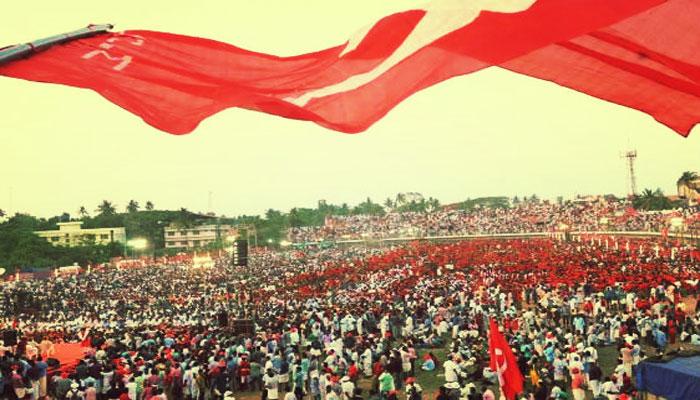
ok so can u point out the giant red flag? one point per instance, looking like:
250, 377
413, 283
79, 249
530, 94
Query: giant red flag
504, 363
640, 53
650, 62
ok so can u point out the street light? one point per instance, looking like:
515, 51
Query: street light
137, 244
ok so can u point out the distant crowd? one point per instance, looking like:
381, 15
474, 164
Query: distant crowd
541, 216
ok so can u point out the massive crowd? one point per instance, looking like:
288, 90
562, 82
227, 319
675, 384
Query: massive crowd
592, 215
356, 323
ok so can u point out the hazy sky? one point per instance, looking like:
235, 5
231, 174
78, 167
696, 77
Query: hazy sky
489, 133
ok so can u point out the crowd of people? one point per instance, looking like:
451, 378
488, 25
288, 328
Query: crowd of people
356, 322
542, 216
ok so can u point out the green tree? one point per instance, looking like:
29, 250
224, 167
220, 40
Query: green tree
652, 200
368, 208
149, 206
389, 204
274, 215
294, 218
433, 204
185, 219
485, 202
83, 212
132, 207
687, 177
106, 208
400, 199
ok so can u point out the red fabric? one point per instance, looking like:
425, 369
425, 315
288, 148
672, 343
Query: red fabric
511, 380
68, 354
650, 62
173, 82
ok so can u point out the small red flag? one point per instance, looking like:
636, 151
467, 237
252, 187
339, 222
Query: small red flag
504, 363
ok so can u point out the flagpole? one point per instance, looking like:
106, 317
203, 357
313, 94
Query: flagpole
18, 51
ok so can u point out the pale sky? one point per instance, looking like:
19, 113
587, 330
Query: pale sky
489, 133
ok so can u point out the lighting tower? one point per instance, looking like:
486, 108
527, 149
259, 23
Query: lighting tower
631, 156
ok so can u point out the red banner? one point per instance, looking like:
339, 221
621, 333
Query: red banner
612, 49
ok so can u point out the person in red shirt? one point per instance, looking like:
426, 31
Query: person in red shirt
577, 381
244, 372
671, 331
352, 371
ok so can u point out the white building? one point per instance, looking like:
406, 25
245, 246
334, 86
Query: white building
190, 238
71, 234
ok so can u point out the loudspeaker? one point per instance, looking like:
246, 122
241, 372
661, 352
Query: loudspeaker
243, 327
240, 253
223, 319
9, 337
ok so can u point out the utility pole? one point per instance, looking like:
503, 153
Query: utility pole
631, 156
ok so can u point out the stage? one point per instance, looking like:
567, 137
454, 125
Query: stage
678, 379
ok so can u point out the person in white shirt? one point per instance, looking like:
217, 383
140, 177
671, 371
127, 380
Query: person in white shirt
271, 383
452, 370
367, 362
291, 396
131, 388
347, 388
610, 389
408, 326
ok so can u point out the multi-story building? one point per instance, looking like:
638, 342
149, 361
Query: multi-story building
71, 234
199, 236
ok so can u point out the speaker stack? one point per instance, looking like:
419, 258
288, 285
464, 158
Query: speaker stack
223, 318
240, 253
9, 337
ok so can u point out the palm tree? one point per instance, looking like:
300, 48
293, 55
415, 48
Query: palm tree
687, 177
83, 212
149, 205
400, 199
645, 200
388, 203
433, 204
687, 182
106, 208
132, 207
652, 200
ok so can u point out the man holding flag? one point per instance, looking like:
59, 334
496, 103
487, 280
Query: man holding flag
504, 363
